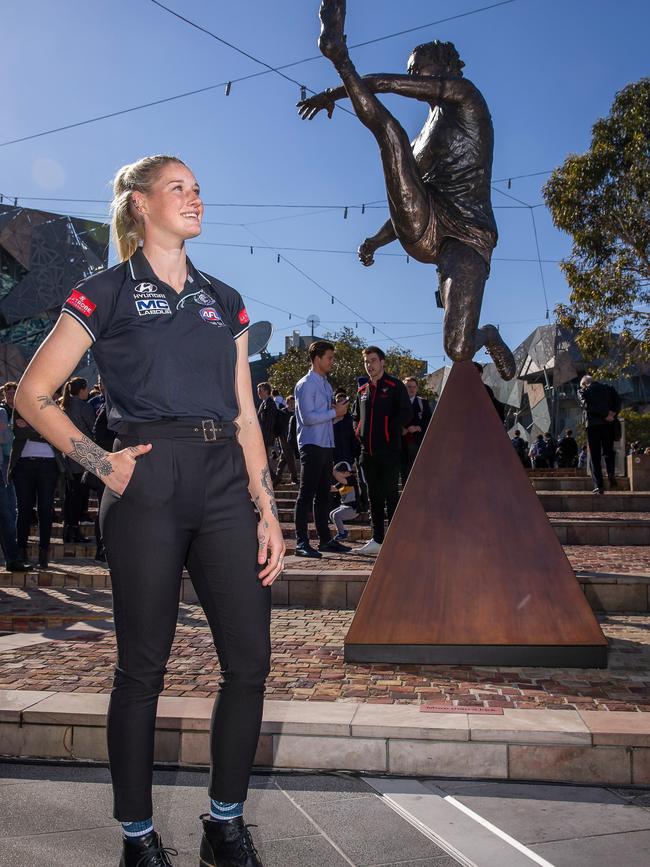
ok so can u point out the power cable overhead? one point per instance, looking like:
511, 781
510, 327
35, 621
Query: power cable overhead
229, 83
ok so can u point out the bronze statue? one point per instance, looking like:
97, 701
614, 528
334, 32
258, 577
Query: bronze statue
438, 186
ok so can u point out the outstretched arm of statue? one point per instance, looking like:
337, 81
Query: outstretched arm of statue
385, 235
423, 87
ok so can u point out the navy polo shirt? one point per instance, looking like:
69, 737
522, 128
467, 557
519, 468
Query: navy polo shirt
161, 354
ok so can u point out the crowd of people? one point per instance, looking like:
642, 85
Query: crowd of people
346, 455
33, 472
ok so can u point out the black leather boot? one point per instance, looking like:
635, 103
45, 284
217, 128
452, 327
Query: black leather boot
146, 851
227, 844
43, 561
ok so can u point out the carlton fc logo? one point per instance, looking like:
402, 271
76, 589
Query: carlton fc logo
209, 314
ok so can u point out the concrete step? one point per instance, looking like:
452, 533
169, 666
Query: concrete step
389, 740
586, 501
572, 483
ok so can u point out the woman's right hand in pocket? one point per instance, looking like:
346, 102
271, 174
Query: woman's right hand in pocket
123, 463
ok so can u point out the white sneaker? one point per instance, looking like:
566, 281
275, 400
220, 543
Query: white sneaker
370, 547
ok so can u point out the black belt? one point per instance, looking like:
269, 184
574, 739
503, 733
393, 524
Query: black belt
206, 429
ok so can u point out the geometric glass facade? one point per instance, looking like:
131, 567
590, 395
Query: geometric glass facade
42, 256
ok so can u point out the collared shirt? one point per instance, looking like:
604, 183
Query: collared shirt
161, 354
314, 411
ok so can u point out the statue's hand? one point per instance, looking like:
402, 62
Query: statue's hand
366, 252
309, 108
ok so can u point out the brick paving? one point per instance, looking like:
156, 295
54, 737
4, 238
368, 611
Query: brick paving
307, 663
631, 559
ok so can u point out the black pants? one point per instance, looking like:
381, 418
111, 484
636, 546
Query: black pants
186, 504
410, 450
35, 483
601, 444
316, 479
288, 460
382, 477
76, 499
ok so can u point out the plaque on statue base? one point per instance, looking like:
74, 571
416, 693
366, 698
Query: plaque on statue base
471, 571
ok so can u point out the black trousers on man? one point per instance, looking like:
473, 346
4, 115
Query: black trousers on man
187, 504
382, 477
316, 479
601, 444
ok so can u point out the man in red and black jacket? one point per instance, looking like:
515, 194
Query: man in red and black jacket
381, 410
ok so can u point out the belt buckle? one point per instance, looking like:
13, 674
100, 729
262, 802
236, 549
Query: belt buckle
210, 429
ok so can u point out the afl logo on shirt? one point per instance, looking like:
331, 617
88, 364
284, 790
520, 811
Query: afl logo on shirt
152, 306
209, 314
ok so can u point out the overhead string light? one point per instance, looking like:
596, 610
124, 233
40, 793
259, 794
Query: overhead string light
303, 92
345, 213
228, 88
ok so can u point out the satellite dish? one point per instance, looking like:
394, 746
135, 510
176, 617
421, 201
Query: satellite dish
313, 321
259, 335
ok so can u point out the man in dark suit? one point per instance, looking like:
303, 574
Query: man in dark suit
601, 405
413, 432
266, 413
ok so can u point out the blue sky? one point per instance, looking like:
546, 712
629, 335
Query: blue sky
547, 68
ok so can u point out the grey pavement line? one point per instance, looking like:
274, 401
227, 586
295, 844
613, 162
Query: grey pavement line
472, 841
320, 830
593, 836
59, 831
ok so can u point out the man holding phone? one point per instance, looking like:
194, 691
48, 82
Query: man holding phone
315, 414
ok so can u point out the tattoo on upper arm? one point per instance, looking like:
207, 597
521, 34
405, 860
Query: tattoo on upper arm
45, 400
90, 456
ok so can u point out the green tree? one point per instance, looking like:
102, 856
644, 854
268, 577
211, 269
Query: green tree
294, 364
602, 199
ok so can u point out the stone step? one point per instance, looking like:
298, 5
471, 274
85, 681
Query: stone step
569, 746
572, 483
586, 501
325, 584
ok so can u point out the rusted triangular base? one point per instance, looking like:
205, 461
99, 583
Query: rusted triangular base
471, 571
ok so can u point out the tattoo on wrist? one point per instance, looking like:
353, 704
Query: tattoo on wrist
91, 456
45, 400
267, 484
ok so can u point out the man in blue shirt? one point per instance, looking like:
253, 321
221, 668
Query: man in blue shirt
315, 414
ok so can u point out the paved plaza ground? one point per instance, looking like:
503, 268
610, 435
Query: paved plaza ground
307, 661
60, 816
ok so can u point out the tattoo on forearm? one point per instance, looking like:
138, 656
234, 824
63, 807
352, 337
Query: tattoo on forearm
45, 400
90, 456
267, 484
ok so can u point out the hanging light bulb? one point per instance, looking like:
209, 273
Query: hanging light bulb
373, 329
228, 86
363, 209
303, 92
345, 214
408, 258
251, 251
278, 258
332, 299
509, 183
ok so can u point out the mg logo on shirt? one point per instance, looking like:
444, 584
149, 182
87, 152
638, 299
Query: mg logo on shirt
152, 306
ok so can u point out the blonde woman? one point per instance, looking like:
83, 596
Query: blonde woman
171, 346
